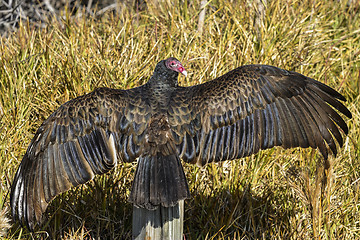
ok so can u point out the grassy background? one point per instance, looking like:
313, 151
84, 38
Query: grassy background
275, 194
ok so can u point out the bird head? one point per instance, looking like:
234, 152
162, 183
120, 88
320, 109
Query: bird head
175, 65
167, 71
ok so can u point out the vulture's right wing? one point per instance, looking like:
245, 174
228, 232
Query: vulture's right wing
255, 107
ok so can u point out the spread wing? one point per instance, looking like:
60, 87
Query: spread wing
255, 107
86, 136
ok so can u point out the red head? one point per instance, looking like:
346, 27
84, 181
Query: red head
175, 65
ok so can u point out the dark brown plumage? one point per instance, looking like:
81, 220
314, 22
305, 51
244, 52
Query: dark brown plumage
250, 108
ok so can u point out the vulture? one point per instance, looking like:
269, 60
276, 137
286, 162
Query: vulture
160, 123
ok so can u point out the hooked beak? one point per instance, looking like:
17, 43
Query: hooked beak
184, 72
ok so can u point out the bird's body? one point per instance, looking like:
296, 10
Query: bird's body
251, 108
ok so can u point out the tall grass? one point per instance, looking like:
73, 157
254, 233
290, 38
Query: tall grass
276, 194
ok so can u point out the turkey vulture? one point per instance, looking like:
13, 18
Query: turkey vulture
249, 108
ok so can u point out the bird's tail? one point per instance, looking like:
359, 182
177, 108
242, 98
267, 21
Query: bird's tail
159, 180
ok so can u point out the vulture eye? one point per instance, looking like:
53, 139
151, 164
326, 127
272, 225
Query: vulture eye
172, 63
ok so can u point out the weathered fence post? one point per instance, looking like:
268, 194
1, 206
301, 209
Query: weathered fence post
160, 224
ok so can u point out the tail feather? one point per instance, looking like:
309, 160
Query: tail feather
159, 180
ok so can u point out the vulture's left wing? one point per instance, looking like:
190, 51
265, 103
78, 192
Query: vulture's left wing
86, 136
255, 107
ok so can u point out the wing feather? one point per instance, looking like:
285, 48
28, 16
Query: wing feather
257, 107
84, 137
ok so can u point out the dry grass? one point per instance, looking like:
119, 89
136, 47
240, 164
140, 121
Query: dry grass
275, 194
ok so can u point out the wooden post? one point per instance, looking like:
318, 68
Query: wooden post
162, 223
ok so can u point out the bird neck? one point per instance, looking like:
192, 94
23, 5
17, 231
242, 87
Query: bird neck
160, 92
163, 83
